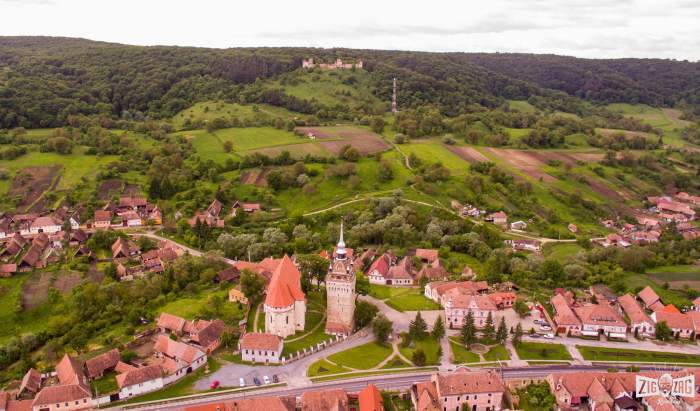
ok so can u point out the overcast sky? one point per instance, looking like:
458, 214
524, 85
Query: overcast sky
585, 28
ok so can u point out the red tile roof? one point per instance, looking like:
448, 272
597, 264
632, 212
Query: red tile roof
175, 349
139, 375
30, 382
98, 365
260, 341
468, 382
381, 264
675, 321
61, 393
370, 399
285, 285
171, 322
649, 296
70, 371
633, 310
429, 255
599, 314
103, 215
325, 400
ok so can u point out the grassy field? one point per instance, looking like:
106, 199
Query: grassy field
562, 251
497, 352
522, 106
209, 110
73, 166
542, 351
190, 307
460, 354
668, 296
402, 298
330, 88
323, 367
432, 151
430, 347
362, 357
334, 190
665, 119
616, 354
210, 146
105, 385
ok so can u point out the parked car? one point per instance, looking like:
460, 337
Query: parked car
549, 336
266, 379
275, 379
256, 380
215, 384
545, 328
535, 336
241, 382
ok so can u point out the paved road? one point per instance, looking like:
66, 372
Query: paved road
192, 251
294, 373
400, 382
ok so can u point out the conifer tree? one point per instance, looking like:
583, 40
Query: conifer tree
438, 328
518, 335
418, 328
502, 332
489, 331
468, 332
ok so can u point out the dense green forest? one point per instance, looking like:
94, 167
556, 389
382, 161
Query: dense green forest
43, 80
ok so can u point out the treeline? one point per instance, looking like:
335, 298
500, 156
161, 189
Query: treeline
47, 80
648, 81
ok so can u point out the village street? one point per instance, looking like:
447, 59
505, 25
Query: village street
294, 373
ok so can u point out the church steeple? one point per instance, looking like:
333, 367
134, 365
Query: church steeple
340, 253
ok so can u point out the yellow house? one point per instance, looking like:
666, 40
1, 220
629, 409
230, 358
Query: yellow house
237, 295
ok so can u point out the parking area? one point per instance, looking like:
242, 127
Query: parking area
230, 376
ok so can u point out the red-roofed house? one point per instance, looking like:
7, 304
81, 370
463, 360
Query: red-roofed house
97, 366
427, 256
482, 390
137, 381
261, 347
458, 305
370, 399
564, 317
103, 218
401, 273
651, 300
597, 318
380, 267
499, 218
285, 303
640, 323
180, 359
681, 324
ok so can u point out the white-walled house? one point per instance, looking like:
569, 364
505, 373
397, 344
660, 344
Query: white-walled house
178, 358
46, 224
261, 347
140, 381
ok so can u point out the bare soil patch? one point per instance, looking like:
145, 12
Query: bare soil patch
132, 190
67, 280
366, 142
35, 290
610, 131
469, 154
109, 187
675, 116
524, 161
295, 150
30, 183
256, 177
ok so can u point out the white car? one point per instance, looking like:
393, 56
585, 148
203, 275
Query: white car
241, 382
549, 336
266, 379
546, 328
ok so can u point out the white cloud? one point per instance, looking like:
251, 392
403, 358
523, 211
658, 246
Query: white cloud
586, 28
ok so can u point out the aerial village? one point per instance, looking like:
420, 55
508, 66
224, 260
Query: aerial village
175, 347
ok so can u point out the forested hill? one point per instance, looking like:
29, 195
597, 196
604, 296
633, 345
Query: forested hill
650, 81
44, 80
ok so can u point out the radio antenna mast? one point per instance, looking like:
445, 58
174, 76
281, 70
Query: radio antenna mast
394, 106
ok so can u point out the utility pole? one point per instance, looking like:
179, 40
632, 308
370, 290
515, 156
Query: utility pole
394, 106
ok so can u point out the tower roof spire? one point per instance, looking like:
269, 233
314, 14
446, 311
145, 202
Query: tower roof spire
340, 248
